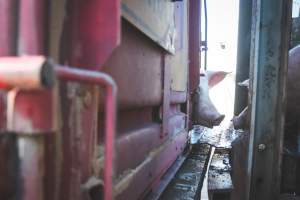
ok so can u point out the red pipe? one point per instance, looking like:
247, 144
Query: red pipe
73, 74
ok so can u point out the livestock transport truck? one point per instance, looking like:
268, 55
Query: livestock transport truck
98, 98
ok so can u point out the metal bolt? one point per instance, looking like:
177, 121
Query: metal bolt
261, 147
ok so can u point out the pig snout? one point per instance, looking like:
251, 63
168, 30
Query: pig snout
205, 113
241, 121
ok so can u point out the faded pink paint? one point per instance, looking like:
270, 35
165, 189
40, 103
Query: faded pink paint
91, 32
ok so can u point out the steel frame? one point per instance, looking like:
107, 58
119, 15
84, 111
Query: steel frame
268, 66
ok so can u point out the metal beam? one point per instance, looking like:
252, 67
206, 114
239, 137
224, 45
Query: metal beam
243, 54
268, 67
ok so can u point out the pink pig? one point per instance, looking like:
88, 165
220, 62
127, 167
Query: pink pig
204, 112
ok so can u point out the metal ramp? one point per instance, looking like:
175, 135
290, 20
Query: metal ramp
186, 182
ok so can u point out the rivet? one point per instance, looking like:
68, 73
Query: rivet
261, 147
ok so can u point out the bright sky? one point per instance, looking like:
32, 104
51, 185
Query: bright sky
222, 29
296, 4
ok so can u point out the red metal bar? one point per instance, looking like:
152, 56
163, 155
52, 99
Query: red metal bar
26, 72
73, 74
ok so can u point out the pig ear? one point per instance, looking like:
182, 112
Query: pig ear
245, 83
215, 77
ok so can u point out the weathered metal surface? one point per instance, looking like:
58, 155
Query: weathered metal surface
144, 139
9, 184
268, 63
219, 179
91, 32
220, 137
99, 79
179, 62
194, 52
194, 44
32, 112
133, 184
238, 161
155, 18
31, 32
295, 32
187, 182
56, 15
178, 97
136, 65
288, 197
290, 173
243, 54
8, 10
32, 109
32, 160
176, 123
166, 179
78, 136
166, 96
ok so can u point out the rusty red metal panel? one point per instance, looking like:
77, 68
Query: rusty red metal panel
194, 43
91, 32
8, 26
134, 119
78, 136
151, 169
33, 112
30, 41
136, 65
144, 139
100, 79
31, 30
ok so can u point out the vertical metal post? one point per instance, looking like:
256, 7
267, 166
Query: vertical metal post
194, 51
194, 43
243, 54
268, 65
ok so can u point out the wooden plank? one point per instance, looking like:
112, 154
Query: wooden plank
268, 65
188, 180
219, 179
155, 18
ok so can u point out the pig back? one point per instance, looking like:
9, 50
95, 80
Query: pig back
293, 86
